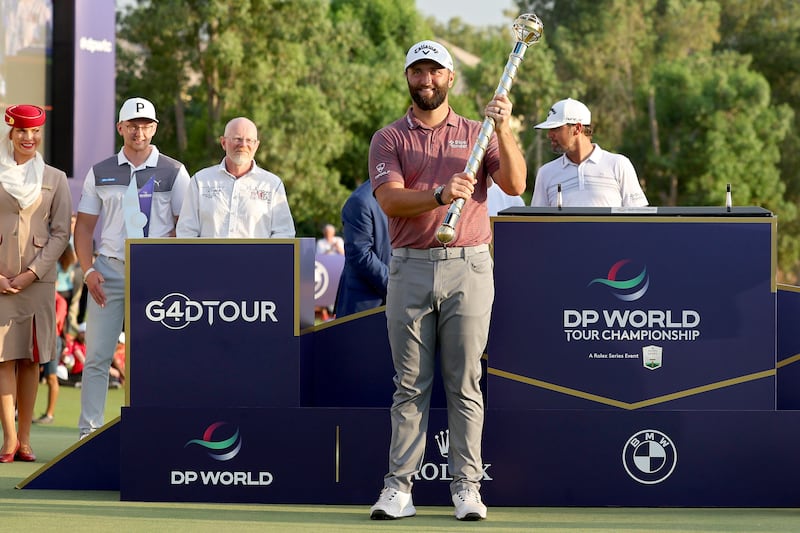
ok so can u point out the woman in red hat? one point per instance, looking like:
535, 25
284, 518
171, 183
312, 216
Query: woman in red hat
35, 212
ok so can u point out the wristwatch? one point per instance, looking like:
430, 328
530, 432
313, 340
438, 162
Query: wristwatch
437, 193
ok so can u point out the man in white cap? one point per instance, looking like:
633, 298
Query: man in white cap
588, 175
439, 300
136, 193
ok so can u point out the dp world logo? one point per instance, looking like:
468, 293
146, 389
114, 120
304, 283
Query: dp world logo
649, 456
221, 445
628, 285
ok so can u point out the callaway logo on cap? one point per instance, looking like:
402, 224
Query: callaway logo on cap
567, 111
429, 50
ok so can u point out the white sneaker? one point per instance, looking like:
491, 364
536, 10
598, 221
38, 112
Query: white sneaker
85, 433
392, 504
469, 505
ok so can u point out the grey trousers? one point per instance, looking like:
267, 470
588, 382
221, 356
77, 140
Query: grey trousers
103, 326
438, 299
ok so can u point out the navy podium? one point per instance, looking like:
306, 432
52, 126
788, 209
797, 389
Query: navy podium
655, 311
636, 358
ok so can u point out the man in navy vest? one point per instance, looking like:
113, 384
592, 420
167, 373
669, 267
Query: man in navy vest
136, 193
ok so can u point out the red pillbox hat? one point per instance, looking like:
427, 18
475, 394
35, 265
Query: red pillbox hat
24, 116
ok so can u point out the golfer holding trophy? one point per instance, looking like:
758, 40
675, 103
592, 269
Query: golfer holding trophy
432, 164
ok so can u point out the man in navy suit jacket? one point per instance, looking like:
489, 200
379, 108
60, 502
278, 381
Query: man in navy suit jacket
367, 251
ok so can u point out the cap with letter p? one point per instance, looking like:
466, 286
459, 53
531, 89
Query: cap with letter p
567, 111
429, 50
137, 108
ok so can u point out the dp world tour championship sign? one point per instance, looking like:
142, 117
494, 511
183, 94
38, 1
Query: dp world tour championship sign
660, 312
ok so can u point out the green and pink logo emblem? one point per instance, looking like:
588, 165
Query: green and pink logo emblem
221, 445
625, 285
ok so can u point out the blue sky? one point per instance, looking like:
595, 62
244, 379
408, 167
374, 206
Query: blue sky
474, 12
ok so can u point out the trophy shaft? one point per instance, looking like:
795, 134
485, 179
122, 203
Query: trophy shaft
528, 30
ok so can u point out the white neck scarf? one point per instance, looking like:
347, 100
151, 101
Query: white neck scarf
23, 182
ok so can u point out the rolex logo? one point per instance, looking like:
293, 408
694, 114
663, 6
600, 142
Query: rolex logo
443, 441
440, 471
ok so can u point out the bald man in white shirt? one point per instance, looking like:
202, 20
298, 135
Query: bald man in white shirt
237, 198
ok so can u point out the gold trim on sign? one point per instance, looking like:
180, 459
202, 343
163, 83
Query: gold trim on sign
337, 450
634, 405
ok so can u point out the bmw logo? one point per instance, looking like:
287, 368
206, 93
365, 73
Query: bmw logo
649, 456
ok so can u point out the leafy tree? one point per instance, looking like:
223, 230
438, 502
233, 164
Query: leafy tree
317, 77
768, 32
367, 85
534, 89
143, 71
691, 116
320, 77
602, 49
717, 126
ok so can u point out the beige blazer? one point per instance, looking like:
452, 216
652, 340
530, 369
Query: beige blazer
33, 238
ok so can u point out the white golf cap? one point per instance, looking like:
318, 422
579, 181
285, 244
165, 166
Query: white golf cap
429, 50
137, 108
567, 111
